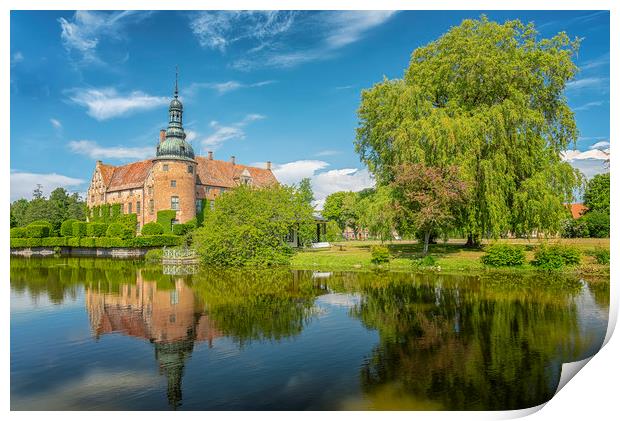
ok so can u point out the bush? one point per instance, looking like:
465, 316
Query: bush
380, 254
18, 232
333, 232
37, 231
597, 223
25, 242
152, 228
154, 255
79, 229
156, 241
180, 229
498, 255
66, 228
130, 222
73, 242
601, 255
106, 242
425, 262
116, 230
164, 218
96, 229
42, 222
54, 242
556, 256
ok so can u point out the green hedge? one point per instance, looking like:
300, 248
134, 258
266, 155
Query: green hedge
73, 242
54, 242
498, 255
79, 229
156, 240
106, 242
152, 228
66, 228
37, 231
25, 242
42, 222
180, 229
103, 242
117, 230
96, 229
164, 218
130, 221
18, 232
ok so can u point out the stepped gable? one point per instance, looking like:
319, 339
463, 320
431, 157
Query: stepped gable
218, 173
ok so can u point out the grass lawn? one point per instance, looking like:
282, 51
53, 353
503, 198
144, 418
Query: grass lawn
452, 256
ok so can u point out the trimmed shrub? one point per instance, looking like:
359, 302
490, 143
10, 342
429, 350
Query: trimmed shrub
42, 222
601, 255
66, 228
116, 230
191, 225
556, 256
180, 229
152, 228
107, 242
25, 242
37, 231
156, 241
499, 255
129, 221
164, 218
79, 229
380, 254
54, 242
18, 232
73, 242
96, 229
87, 242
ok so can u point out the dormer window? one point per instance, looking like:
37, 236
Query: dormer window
245, 178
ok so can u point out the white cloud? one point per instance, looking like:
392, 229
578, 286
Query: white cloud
82, 34
587, 83
225, 87
588, 105
573, 155
591, 162
327, 152
56, 123
95, 151
190, 135
234, 131
592, 64
266, 35
106, 103
23, 183
324, 183
590, 167
600, 145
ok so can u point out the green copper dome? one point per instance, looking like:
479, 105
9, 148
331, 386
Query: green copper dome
174, 146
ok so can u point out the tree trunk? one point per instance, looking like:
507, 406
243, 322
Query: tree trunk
472, 240
427, 237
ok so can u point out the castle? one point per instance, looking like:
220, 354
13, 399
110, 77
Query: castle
174, 179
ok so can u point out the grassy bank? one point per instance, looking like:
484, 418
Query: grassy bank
452, 256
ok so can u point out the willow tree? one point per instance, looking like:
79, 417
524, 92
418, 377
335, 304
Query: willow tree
489, 98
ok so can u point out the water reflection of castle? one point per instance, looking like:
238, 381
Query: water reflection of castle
172, 319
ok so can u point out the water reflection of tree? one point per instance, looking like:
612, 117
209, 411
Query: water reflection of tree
257, 305
480, 345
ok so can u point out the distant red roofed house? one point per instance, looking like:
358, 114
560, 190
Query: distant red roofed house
577, 210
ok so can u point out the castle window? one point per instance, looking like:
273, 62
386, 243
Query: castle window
173, 183
138, 207
151, 206
101, 196
150, 191
212, 204
129, 207
165, 167
198, 205
190, 169
174, 203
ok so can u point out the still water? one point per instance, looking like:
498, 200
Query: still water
97, 334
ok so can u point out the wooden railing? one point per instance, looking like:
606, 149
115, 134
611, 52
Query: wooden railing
179, 253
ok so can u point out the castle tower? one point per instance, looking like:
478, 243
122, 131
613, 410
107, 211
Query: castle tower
174, 171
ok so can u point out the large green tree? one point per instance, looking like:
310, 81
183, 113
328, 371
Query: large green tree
596, 196
489, 98
59, 207
377, 212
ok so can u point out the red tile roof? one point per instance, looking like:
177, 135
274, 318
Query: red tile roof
213, 172
577, 210
130, 176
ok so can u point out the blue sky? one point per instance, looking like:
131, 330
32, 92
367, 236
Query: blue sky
263, 86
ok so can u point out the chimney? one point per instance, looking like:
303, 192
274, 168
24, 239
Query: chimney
232, 159
269, 165
210, 155
99, 162
162, 135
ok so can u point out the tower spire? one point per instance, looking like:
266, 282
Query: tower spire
176, 83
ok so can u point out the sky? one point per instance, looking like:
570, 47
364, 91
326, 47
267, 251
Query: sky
279, 86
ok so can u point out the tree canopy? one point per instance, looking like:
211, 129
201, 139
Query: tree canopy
489, 98
59, 207
596, 196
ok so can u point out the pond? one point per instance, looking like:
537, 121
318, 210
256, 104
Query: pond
99, 334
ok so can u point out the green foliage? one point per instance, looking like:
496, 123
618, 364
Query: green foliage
96, 229
377, 212
87, 241
107, 242
499, 254
427, 261
249, 226
37, 231
556, 256
164, 218
18, 232
489, 99
305, 191
342, 208
380, 254
54, 242
156, 241
66, 228
26, 242
117, 230
79, 229
597, 196
152, 228
601, 255
130, 221
180, 229
154, 255
598, 223
574, 228
73, 241
200, 216
58, 207
333, 231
